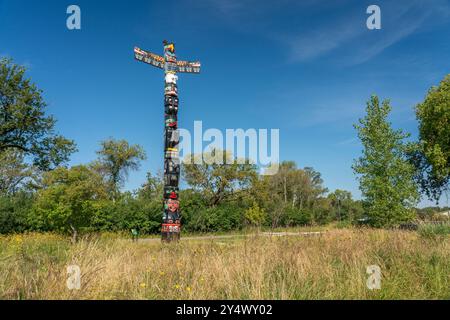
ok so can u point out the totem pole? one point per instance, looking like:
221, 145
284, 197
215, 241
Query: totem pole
171, 221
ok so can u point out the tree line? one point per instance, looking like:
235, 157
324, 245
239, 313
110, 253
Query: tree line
40, 192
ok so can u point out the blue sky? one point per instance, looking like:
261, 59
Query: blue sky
305, 67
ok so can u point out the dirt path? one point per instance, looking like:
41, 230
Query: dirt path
230, 236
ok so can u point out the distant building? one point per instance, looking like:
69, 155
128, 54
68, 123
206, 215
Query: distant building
445, 213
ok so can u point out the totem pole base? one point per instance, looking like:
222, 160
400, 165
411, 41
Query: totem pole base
170, 232
170, 237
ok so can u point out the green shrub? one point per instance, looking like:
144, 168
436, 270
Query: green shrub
221, 218
434, 231
13, 213
343, 224
296, 216
255, 215
127, 213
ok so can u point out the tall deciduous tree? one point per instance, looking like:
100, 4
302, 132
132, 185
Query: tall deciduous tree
296, 187
218, 177
23, 123
343, 206
432, 157
116, 159
385, 175
68, 200
291, 191
14, 172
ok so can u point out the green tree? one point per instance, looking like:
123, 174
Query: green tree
128, 212
385, 175
116, 159
254, 215
291, 193
321, 211
23, 123
139, 210
432, 155
218, 177
297, 216
296, 187
342, 204
152, 189
149, 198
14, 212
15, 173
69, 200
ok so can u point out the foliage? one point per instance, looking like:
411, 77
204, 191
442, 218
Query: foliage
321, 211
432, 154
343, 207
14, 211
434, 231
255, 215
385, 176
298, 217
299, 187
218, 177
222, 193
291, 195
126, 213
221, 218
117, 158
23, 123
68, 200
15, 174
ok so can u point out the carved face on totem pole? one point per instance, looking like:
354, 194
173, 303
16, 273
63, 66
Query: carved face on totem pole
171, 78
171, 89
173, 205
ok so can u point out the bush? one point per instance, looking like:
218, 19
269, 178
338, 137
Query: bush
296, 216
13, 213
68, 201
434, 231
221, 218
344, 224
255, 215
127, 213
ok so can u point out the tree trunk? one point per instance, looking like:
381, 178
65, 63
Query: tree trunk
74, 234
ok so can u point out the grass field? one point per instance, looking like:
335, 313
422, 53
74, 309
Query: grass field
327, 266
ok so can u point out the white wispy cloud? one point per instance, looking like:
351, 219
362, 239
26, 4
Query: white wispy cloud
315, 116
321, 40
399, 19
343, 30
229, 7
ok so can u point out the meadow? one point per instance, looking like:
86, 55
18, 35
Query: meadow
331, 265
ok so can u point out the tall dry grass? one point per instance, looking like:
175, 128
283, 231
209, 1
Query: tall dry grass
329, 266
